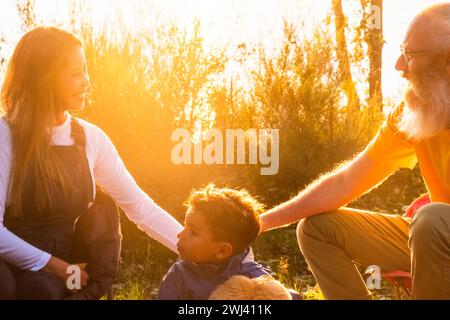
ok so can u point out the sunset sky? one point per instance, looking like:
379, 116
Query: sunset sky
225, 20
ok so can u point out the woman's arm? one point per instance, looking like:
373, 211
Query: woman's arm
112, 175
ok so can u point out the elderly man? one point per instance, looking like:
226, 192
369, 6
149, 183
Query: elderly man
333, 237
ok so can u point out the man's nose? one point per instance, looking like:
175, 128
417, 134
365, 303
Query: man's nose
401, 64
180, 234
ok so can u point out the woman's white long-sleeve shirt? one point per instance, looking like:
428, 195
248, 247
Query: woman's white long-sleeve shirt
108, 171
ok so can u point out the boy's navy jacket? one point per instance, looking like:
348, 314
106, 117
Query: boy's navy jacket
189, 281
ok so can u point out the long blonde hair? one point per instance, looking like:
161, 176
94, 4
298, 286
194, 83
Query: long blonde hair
30, 99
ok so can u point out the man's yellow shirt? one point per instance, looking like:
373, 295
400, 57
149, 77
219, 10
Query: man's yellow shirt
390, 146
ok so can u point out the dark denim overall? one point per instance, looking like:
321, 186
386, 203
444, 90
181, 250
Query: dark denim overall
67, 230
52, 229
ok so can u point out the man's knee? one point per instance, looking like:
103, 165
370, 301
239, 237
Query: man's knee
40, 286
313, 227
430, 221
8, 290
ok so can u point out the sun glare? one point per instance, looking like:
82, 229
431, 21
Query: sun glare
223, 22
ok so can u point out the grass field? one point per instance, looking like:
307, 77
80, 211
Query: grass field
145, 261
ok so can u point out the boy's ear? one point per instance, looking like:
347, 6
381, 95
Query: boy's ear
224, 251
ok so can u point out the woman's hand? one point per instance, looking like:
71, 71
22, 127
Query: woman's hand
60, 268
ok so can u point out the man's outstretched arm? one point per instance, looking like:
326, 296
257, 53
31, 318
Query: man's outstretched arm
329, 192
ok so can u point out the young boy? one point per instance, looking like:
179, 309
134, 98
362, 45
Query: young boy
220, 225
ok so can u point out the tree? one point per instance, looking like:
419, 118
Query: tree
2, 59
25, 8
372, 25
343, 55
370, 32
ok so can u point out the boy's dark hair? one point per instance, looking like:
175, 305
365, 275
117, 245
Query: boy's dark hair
232, 215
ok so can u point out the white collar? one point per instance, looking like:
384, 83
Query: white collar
64, 125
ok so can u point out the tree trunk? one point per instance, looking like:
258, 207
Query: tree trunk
375, 44
2, 59
343, 57
25, 9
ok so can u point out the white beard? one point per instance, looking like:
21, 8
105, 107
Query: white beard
427, 109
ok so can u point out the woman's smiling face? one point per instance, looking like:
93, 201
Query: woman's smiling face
73, 81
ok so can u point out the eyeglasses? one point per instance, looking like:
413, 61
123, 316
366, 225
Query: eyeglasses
408, 54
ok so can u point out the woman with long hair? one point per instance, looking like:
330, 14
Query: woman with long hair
47, 181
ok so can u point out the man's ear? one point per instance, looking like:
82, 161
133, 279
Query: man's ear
224, 251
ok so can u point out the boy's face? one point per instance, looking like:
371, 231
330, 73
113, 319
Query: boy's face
197, 244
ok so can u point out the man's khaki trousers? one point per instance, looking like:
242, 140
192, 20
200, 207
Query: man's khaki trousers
332, 242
